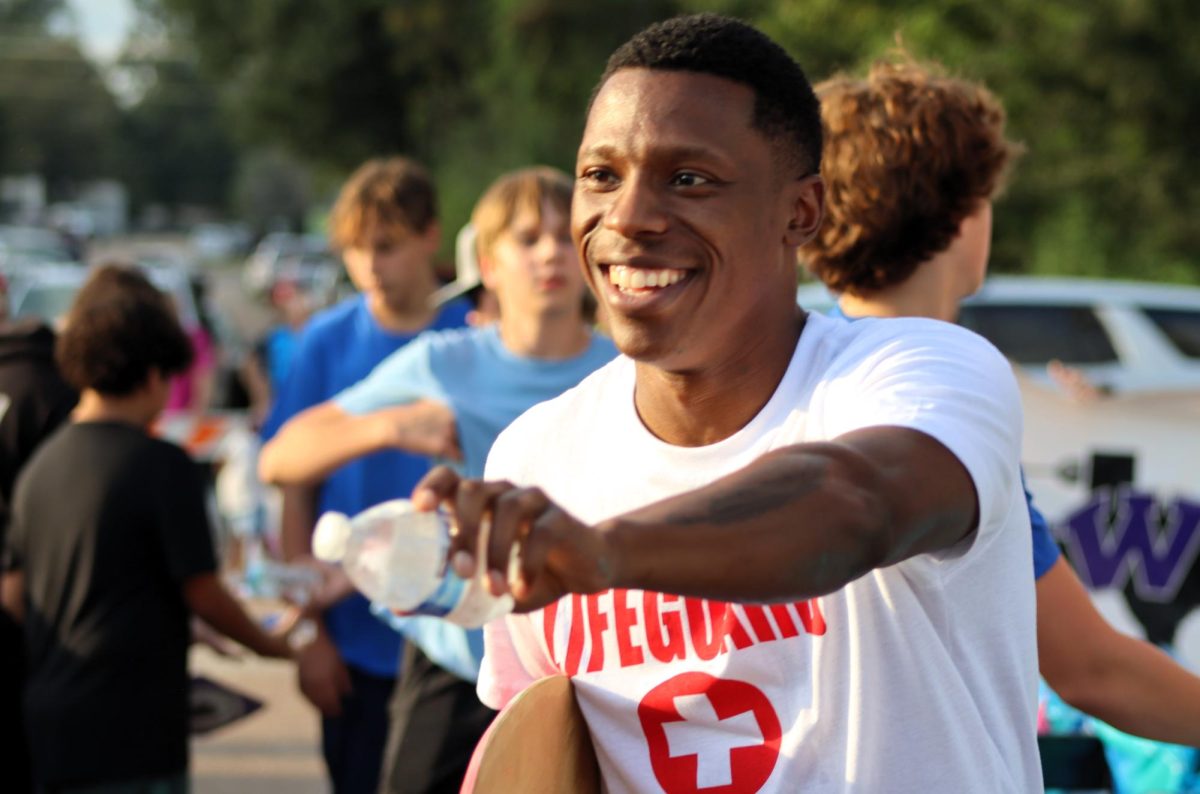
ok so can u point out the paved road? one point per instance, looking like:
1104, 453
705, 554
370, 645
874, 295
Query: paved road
272, 751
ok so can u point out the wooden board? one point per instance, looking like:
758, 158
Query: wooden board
538, 744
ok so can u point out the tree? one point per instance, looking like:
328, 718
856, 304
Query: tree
1102, 93
175, 147
60, 121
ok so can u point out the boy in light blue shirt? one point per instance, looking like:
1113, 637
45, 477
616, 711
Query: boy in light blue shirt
448, 395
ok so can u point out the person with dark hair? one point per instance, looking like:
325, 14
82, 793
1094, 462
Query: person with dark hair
913, 160
385, 224
34, 401
794, 551
448, 395
105, 580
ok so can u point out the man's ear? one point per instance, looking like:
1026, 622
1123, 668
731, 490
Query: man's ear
807, 210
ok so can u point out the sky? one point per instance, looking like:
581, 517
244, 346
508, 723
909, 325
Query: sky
102, 25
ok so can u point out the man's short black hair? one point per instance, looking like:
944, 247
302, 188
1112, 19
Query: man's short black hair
785, 108
118, 328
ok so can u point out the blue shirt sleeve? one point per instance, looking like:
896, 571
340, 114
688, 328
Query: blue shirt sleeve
1045, 550
403, 377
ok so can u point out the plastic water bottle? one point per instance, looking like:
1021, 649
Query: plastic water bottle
396, 556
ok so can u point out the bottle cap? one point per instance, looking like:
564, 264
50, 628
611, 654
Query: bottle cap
330, 537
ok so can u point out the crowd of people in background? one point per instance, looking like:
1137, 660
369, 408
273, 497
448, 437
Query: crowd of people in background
699, 444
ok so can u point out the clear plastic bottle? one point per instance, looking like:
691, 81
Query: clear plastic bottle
397, 556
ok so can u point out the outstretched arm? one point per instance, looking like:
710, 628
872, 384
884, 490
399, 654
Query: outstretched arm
208, 599
317, 441
798, 522
1122, 680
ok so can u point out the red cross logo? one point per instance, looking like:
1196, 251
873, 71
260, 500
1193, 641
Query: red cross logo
707, 734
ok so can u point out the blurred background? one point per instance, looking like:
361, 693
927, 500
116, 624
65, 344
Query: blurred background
205, 139
145, 115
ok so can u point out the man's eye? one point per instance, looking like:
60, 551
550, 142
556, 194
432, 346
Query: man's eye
598, 177
689, 179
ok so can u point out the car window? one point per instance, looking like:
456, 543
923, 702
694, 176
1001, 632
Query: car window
1041, 333
1181, 326
49, 302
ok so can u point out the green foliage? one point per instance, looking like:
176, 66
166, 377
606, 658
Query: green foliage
1103, 94
175, 149
58, 119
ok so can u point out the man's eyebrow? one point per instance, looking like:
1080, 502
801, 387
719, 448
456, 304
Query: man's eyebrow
673, 152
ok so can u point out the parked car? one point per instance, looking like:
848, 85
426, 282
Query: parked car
262, 268
1126, 337
22, 246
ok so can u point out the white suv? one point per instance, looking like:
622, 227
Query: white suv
1126, 337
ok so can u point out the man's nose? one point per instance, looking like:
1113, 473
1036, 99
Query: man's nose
636, 209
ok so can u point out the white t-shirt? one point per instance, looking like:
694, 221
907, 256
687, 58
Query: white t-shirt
920, 677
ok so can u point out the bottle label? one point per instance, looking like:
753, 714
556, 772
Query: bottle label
442, 601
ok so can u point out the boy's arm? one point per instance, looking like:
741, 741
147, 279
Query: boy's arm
208, 599
315, 442
322, 674
1122, 680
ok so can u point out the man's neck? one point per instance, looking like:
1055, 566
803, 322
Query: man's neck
693, 409
556, 336
138, 409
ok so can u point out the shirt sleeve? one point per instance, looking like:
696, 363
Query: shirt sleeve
948, 383
1045, 550
403, 377
183, 516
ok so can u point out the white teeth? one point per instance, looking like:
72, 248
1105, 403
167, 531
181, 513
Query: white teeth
625, 277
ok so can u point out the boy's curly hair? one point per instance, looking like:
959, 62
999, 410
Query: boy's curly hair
118, 328
909, 153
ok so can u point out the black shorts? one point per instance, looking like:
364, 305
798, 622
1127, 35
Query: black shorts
436, 721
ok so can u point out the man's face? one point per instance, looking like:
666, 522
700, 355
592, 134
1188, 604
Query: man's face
682, 215
533, 268
390, 267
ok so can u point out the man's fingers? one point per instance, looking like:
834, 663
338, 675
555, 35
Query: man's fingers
512, 517
472, 511
436, 487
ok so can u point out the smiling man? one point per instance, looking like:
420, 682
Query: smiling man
774, 551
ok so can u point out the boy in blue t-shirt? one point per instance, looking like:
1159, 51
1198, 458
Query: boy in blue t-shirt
449, 395
385, 224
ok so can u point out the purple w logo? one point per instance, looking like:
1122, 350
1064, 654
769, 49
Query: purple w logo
1153, 544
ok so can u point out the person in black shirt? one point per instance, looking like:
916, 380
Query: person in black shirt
34, 400
110, 551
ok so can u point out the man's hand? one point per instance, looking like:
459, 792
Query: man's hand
425, 427
323, 677
556, 554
